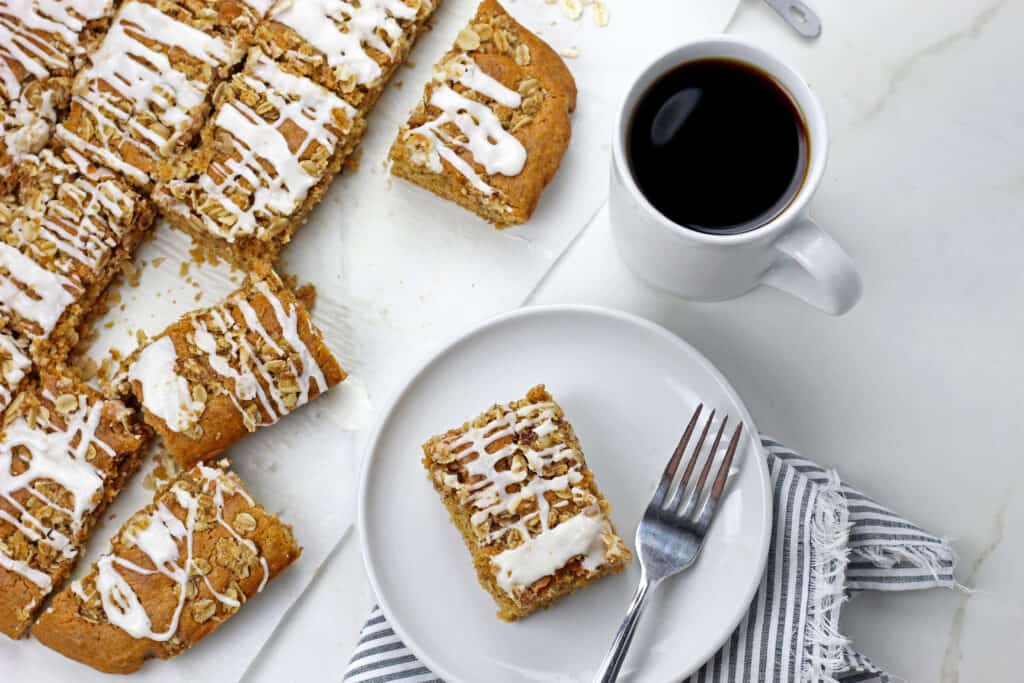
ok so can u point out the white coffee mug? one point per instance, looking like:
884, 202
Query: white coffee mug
789, 252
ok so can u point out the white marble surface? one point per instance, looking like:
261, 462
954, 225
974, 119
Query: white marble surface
915, 395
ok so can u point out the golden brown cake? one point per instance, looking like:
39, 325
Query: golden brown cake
268, 154
493, 124
516, 485
176, 571
145, 91
72, 226
65, 452
222, 372
42, 44
351, 47
15, 365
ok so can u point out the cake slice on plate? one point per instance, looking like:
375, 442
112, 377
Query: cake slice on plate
493, 123
516, 485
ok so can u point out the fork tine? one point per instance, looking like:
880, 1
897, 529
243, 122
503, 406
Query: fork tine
694, 497
707, 511
673, 463
690, 464
723, 470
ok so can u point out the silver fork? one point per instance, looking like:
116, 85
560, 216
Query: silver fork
671, 534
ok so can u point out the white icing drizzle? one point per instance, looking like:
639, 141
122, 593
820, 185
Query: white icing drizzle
240, 362
165, 393
486, 489
20, 43
300, 103
163, 541
45, 297
541, 556
84, 220
168, 395
343, 30
27, 126
289, 323
489, 144
12, 370
143, 78
40, 579
53, 455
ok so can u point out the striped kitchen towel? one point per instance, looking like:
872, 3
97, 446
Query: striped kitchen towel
829, 541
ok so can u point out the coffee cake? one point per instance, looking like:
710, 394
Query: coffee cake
65, 452
269, 152
516, 485
220, 373
176, 571
493, 123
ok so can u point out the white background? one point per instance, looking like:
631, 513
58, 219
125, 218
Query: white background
916, 394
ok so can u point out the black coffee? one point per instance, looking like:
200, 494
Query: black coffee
718, 146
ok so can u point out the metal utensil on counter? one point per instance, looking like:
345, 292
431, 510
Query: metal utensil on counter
798, 15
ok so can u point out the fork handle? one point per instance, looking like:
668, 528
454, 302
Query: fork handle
609, 670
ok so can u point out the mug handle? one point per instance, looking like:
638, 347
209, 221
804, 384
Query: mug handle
811, 266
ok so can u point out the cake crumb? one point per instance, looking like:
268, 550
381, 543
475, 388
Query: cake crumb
307, 295
573, 9
131, 273
352, 162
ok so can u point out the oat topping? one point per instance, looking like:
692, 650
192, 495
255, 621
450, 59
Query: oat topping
14, 366
265, 375
165, 535
275, 134
60, 244
493, 122
23, 49
526, 496
468, 124
347, 33
63, 454
41, 44
73, 213
144, 92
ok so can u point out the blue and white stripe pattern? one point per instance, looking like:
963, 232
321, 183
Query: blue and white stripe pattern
828, 541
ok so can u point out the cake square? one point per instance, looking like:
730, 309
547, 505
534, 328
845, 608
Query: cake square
268, 154
73, 226
65, 453
493, 123
42, 44
146, 89
517, 487
176, 571
222, 372
349, 46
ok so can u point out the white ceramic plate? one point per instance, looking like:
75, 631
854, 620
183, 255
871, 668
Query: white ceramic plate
629, 387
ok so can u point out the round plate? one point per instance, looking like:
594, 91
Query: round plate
629, 388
